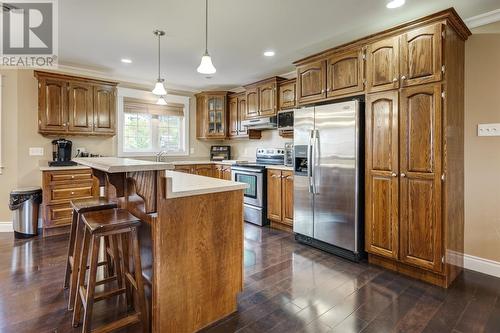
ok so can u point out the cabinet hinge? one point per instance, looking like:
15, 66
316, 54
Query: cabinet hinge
443, 34
443, 94
443, 69
39, 85
443, 177
364, 56
442, 259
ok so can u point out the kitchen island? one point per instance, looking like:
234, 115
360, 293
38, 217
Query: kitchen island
191, 238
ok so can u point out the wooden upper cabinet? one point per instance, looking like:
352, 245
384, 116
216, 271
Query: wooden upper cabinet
311, 82
420, 163
69, 105
421, 55
287, 197
286, 94
382, 65
252, 101
274, 198
52, 105
104, 109
81, 109
382, 171
242, 110
211, 118
267, 99
345, 73
233, 116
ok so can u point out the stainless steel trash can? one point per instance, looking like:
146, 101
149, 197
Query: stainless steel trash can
24, 203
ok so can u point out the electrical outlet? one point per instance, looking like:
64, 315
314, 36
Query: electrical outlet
488, 130
36, 151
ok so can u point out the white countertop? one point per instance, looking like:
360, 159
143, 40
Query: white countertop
62, 168
118, 164
181, 184
225, 162
280, 167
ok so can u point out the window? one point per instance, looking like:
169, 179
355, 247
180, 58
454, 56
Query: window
147, 128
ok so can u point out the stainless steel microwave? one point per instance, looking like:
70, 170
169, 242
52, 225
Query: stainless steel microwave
285, 120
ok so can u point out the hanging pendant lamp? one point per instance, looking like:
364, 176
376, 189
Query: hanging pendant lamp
206, 66
159, 89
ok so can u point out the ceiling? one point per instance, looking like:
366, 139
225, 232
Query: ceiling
96, 34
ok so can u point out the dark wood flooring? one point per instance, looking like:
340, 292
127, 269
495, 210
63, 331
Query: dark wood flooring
289, 287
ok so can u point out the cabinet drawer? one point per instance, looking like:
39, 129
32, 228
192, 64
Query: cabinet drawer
74, 192
77, 175
57, 215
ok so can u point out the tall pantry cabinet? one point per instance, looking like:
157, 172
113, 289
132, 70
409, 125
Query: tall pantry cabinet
414, 153
412, 77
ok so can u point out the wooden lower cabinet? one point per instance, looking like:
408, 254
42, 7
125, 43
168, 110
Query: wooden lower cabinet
59, 188
406, 222
280, 198
206, 170
222, 171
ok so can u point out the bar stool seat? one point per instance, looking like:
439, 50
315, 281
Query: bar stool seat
81, 206
121, 228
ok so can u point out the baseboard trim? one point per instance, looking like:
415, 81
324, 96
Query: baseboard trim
6, 227
482, 265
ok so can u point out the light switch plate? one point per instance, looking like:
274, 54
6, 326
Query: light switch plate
36, 151
488, 130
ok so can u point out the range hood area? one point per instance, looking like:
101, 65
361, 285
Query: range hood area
266, 123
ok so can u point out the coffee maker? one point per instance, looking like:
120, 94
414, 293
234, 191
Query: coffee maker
61, 153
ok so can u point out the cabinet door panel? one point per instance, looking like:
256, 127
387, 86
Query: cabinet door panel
345, 73
233, 116
104, 109
287, 197
252, 101
242, 109
52, 105
420, 161
311, 82
80, 107
287, 95
274, 195
382, 65
267, 100
382, 185
422, 55
204, 170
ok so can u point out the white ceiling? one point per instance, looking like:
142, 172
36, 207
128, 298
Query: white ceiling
96, 34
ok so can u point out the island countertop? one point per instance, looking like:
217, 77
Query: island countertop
118, 164
179, 184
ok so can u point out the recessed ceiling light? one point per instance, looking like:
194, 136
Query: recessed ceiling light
269, 53
395, 4
126, 61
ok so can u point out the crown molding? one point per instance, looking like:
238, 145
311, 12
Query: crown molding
122, 80
483, 19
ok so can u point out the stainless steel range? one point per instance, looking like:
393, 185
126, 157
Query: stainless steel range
254, 174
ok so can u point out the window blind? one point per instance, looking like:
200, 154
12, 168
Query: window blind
134, 105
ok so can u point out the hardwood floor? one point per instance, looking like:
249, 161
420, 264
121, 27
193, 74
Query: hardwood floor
289, 287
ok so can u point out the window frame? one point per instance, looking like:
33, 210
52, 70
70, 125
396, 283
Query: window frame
150, 97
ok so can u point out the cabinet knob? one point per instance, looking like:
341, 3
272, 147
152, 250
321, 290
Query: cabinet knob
403, 77
394, 174
403, 175
72, 193
322, 91
395, 79
72, 177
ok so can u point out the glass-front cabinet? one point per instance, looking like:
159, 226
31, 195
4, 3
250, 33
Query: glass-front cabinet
211, 119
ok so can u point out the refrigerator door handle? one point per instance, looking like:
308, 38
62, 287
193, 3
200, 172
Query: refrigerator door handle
309, 163
315, 160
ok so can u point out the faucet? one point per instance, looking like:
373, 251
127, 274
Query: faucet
159, 155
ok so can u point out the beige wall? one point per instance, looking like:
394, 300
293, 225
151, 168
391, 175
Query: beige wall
482, 154
19, 133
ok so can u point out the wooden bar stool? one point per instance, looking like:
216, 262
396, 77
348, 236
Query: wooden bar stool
120, 226
81, 206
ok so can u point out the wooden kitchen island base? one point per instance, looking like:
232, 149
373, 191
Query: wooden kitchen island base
198, 260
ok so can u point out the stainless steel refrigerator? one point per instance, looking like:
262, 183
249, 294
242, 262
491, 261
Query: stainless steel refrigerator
328, 182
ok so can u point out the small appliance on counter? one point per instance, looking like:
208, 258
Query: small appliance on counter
285, 120
289, 154
220, 153
61, 153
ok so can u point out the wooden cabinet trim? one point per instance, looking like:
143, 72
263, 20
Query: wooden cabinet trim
345, 73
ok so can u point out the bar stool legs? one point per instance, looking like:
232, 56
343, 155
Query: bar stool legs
128, 282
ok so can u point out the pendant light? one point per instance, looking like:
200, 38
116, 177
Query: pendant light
159, 88
206, 66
